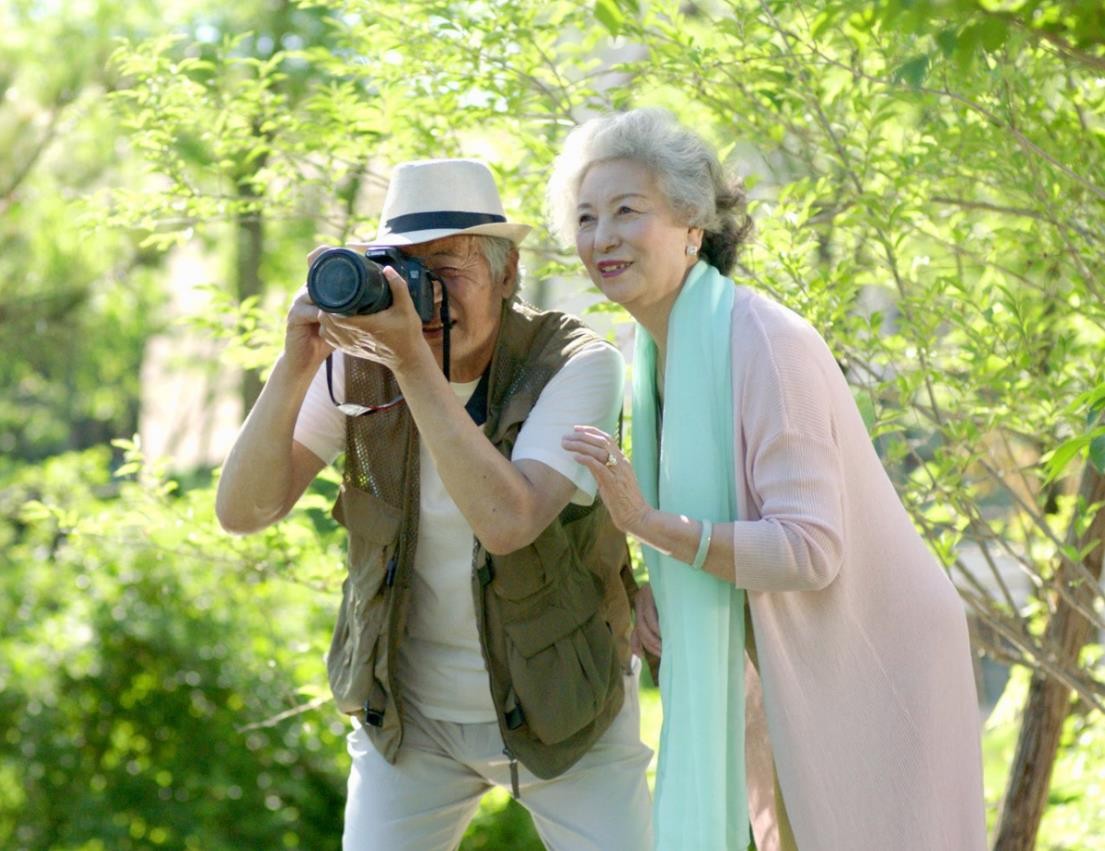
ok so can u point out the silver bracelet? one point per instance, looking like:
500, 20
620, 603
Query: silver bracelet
703, 545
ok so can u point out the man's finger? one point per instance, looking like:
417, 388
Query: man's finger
316, 252
400, 293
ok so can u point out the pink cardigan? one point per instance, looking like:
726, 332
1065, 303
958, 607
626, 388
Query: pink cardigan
868, 694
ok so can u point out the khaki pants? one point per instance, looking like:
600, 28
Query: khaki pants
425, 801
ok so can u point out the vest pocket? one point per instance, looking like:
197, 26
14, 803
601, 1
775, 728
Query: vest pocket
518, 585
373, 528
560, 666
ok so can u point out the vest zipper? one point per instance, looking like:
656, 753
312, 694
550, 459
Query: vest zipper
513, 771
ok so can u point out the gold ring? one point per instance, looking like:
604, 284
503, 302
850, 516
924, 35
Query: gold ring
611, 460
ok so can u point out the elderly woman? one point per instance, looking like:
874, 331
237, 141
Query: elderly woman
761, 501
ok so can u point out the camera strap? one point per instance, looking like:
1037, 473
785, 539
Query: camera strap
444, 326
352, 409
477, 403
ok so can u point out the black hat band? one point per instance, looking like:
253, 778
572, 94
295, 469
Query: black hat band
441, 220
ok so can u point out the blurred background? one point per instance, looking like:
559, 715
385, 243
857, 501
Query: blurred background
928, 182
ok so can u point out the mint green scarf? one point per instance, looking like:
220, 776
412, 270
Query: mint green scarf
686, 467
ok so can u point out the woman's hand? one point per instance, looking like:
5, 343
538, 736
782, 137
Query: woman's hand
599, 453
646, 629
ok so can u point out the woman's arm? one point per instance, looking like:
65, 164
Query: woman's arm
791, 462
795, 546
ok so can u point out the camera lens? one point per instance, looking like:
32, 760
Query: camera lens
345, 282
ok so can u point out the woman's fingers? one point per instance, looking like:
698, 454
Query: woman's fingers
592, 446
617, 483
648, 621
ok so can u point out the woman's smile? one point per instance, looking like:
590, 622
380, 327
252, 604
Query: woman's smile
612, 268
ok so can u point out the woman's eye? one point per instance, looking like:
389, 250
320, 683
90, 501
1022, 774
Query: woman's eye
585, 219
624, 209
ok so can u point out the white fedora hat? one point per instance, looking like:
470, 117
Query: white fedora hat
433, 199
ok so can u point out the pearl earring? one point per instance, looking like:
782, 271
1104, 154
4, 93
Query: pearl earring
692, 250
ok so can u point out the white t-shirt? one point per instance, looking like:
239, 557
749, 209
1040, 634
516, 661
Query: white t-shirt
440, 662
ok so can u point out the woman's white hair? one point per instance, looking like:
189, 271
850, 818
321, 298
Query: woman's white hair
686, 169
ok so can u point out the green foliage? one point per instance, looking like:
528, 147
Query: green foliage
75, 305
501, 823
926, 178
220, 122
141, 658
162, 684
253, 334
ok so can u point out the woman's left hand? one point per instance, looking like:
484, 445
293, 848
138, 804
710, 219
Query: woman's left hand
599, 453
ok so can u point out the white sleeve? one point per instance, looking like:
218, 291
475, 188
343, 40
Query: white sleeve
320, 425
586, 391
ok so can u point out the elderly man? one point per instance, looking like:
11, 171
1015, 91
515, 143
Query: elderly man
482, 635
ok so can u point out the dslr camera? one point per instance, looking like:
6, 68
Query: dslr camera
350, 283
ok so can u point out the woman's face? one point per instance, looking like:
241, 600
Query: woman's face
628, 238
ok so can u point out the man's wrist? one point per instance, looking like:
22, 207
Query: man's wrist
293, 371
416, 365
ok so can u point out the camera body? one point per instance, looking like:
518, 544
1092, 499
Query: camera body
349, 283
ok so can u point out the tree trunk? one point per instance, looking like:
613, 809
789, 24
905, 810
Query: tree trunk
250, 248
250, 222
1048, 701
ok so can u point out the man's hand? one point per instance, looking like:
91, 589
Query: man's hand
392, 337
304, 347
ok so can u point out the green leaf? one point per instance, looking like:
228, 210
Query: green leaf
609, 15
912, 72
993, 32
967, 47
1055, 462
821, 24
128, 469
1093, 400
866, 407
1097, 453
34, 511
947, 41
